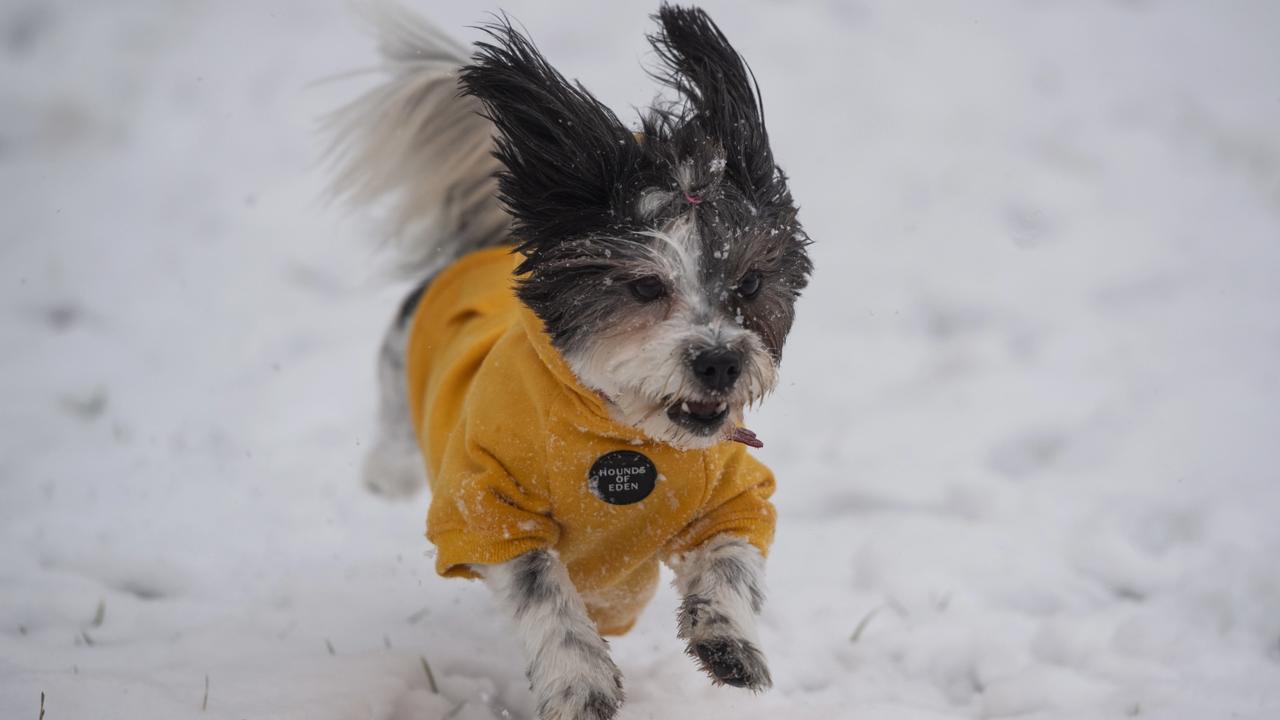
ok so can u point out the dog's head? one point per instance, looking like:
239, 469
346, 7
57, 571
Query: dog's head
664, 263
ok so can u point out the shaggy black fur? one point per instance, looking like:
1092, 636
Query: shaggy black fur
575, 176
722, 100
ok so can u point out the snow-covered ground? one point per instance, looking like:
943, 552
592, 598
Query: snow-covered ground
1027, 435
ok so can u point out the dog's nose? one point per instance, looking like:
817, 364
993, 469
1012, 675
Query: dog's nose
718, 369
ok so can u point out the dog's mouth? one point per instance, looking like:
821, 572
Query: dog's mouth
703, 417
707, 418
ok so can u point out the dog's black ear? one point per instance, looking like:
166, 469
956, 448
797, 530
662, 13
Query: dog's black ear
721, 96
565, 153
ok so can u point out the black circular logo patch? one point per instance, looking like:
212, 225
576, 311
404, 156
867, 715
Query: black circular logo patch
622, 477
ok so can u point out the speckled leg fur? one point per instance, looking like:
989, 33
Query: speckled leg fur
722, 585
570, 671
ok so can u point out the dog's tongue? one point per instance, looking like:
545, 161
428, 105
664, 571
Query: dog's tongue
746, 437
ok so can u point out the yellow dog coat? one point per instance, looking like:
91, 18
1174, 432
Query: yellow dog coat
521, 456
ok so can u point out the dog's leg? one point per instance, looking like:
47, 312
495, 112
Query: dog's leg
570, 671
722, 585
393, 466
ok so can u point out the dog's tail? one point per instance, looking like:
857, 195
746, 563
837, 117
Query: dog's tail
419, 146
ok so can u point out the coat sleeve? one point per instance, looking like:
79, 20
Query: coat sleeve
480, 514
737, 505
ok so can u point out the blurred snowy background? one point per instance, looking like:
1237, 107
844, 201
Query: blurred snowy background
1026, 437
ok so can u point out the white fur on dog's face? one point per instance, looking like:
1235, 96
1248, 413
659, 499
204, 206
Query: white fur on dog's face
642, 363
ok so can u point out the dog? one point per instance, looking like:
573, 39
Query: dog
596, 307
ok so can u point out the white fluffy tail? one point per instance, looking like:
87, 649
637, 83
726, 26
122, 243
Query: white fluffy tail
416, 144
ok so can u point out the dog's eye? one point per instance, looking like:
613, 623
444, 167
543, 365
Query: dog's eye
749, 285
648, 288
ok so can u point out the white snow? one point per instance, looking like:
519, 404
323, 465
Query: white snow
1026, 434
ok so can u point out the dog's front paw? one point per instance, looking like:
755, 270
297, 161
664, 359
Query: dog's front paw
716, 641
732, 661
582, 698
581, 703
577, 681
